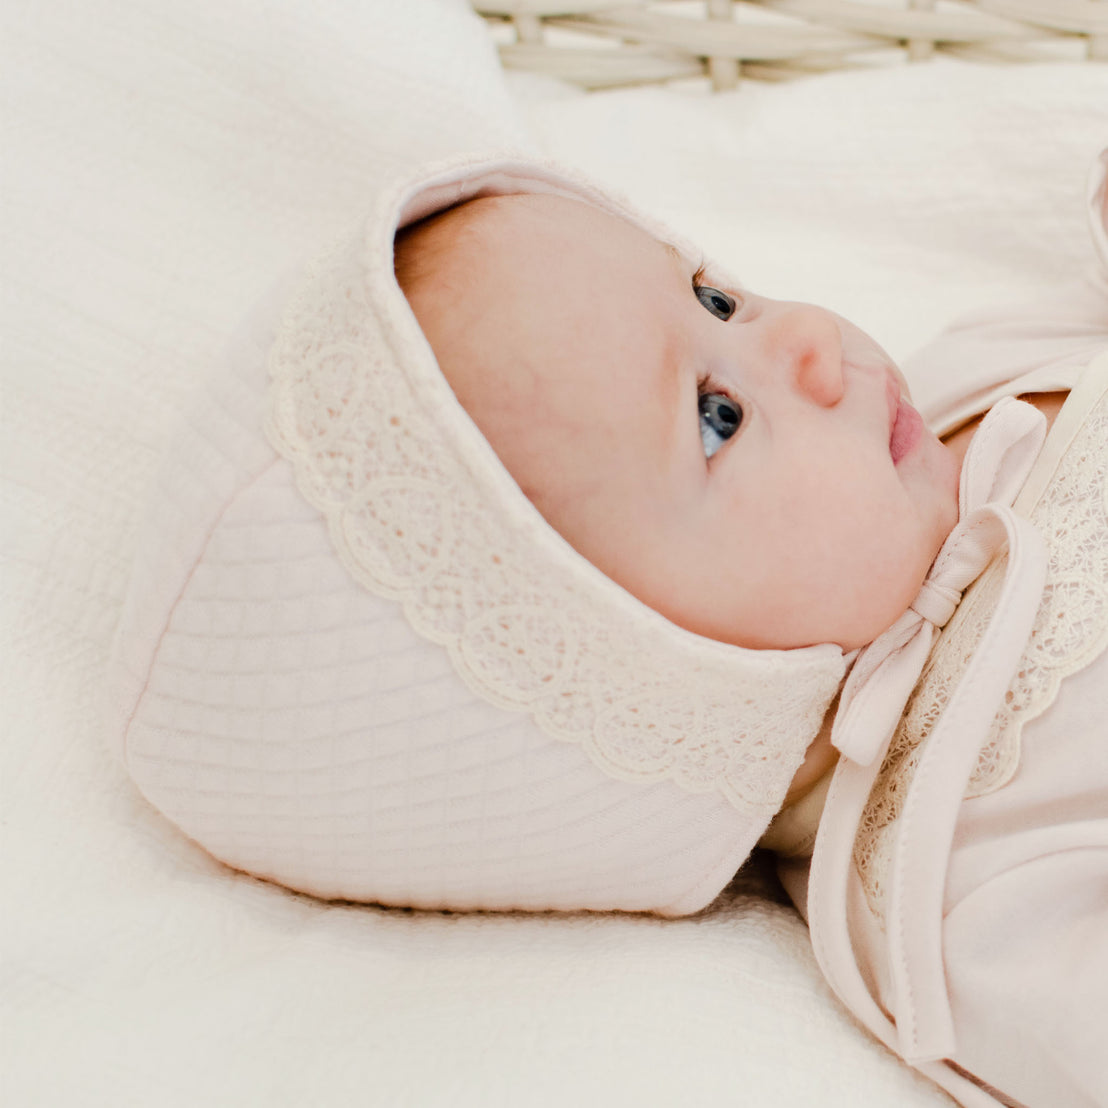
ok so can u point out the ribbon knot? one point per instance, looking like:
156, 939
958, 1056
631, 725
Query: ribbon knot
936, 602
1000, 456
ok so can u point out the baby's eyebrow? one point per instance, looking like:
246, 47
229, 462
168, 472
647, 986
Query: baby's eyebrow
674, 253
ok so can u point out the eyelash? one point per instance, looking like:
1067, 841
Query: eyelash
701, 278
706, 384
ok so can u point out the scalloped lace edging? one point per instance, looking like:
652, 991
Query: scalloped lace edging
420, 511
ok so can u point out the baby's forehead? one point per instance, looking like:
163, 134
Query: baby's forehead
546, 331
482, 232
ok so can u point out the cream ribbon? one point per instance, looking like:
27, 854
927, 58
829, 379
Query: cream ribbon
999, 458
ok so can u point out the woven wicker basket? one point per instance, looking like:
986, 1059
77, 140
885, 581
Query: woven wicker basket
597, 44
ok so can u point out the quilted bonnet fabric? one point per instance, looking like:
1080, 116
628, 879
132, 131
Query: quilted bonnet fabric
288, 719
293, 723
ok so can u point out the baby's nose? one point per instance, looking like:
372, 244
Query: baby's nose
809, 344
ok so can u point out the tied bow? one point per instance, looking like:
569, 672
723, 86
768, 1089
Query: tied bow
999, 458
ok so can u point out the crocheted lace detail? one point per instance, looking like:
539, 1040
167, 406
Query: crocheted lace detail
1070, 632
420, 510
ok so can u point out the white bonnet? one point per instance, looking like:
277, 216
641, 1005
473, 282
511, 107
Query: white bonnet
355, 660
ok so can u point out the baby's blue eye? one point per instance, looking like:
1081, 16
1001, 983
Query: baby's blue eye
718, 303
720, 418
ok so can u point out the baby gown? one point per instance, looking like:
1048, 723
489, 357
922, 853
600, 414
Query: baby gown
1010, 1006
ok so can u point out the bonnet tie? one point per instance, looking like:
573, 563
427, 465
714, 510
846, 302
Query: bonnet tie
873, 699
999, 458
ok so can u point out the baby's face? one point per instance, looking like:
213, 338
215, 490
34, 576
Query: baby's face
750, 468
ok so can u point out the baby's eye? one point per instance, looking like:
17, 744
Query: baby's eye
718, 303
720, 418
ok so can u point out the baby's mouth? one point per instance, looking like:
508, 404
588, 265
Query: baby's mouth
907, 427
905, 424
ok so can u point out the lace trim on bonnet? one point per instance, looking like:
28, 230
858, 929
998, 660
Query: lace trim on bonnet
421, 510
1070, 632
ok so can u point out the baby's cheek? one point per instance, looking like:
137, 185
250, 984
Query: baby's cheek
878, 586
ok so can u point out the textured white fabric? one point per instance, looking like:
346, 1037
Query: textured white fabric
161, 164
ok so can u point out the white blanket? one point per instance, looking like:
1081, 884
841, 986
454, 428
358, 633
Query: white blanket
161, 163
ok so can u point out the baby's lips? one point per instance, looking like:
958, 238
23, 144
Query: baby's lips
907, 431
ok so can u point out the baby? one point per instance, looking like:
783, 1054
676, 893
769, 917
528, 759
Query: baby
751, 469
754, 470
565, 570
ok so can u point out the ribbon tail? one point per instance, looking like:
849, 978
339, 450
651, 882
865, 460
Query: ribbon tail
1001, 454
925, 1025
873, 698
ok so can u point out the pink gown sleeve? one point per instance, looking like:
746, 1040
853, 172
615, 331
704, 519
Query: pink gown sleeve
1039, 346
